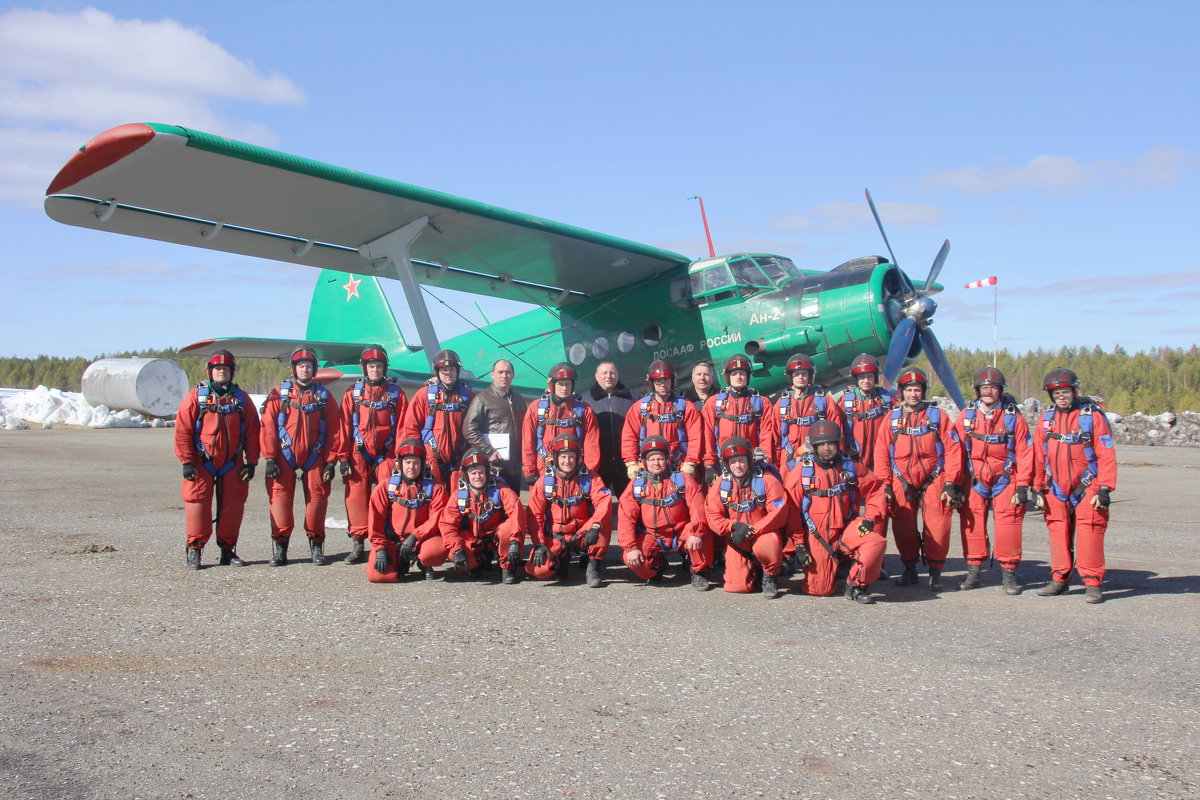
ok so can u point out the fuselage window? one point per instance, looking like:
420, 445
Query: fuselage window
626, 341
652, 335
577, 353
600, 348
810, 307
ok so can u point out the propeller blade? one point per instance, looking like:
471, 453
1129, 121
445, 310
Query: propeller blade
879, 223
937, 266
937, 357
902, 338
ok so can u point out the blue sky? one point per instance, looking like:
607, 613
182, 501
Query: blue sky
1054, 144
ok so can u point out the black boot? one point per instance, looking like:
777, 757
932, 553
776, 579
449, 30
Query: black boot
699, 582
973, 579
595, 567
770, 590
402, 566
230, 559
858, 594
1008, 580
318, 552
508, 576
909, 578
279, 555
1092, 595
1053, 588
357, 554
935, 579
426, 572
193, 558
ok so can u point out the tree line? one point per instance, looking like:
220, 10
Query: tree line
1162, 379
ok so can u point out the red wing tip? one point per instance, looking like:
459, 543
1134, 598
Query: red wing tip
326, 374
203, 343
103, 150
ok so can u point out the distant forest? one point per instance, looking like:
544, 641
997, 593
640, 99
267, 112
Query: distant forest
1163, 379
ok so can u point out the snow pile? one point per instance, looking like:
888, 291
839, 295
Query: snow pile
46, 408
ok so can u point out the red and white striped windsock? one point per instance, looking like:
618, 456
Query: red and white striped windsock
981, 283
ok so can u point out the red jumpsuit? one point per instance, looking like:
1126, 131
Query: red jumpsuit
369, 446
919, 459
796, 412
655, 517
729, 501
863, 414
1064, 453
410, 507
435, 416
482, 523
305, 413
745, 416
825, 518
664, 419
567, 416
229, 431
561, 512
993, 474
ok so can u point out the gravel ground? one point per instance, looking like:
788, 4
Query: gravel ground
126, 676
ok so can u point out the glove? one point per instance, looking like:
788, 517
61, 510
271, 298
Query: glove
1039, 500
540, 554
327, 472
189, 471
460, 559
514, 553
802, 558
631, 469
760, 454
345, 468
272, 469
592, 536
381, 560
889, 493
1101, 500
408, 547
952, 495
247, 472
866, 526
741, 532
1020, 496
710, 475
688, 468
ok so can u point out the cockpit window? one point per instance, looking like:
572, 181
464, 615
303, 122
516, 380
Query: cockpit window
747, 272
775, 270
711, 280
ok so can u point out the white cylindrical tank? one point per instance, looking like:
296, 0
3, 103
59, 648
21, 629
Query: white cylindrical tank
154, 386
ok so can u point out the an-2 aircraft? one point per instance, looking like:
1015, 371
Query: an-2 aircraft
599, 297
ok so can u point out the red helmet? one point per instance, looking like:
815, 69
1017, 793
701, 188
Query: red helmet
373, 352
411, 447
1061, 378
221, 358
565, 443
471, 458
800, 361
824, 430
738, 361
303, 353
736, 446
562, 371
989, 376
659, 370
446, 358
655, 444
864, 363
914, 375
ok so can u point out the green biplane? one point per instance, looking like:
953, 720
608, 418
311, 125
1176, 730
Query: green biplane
598, 297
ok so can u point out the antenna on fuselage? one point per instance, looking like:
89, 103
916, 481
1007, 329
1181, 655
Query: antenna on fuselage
704, 218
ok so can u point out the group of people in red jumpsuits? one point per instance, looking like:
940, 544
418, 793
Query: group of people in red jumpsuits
740, 488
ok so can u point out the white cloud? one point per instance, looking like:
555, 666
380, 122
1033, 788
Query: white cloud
842, 216
1159, 166
64, 77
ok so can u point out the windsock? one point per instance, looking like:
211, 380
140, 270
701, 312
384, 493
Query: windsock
981, 283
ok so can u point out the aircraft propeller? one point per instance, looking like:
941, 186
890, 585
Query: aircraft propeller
910, 313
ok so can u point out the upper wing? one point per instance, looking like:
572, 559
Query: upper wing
278, 349
179, 185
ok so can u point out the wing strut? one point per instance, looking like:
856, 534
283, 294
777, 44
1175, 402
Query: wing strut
395, 247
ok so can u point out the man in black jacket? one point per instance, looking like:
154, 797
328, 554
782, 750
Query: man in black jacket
610, 401
493, 419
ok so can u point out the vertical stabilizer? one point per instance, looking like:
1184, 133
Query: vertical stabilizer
352, 308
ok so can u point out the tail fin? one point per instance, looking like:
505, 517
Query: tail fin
351, 308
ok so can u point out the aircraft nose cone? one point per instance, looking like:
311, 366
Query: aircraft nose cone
927, 307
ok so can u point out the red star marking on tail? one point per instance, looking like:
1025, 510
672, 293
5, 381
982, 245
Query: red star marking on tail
351, 288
